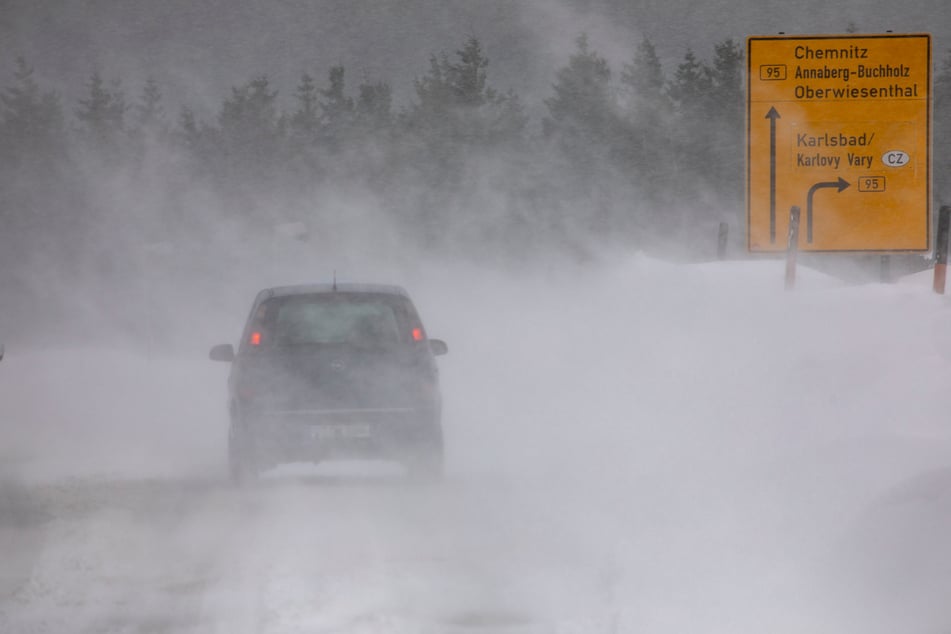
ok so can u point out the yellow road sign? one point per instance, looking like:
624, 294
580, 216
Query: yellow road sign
839, 126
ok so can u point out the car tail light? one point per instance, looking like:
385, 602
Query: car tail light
427, 390
418, 334
255, 339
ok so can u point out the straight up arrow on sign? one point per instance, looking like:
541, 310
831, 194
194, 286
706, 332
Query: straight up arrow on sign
772, 115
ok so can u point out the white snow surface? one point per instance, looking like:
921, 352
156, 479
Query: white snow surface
637, 446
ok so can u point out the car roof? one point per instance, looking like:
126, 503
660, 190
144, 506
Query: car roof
349, 287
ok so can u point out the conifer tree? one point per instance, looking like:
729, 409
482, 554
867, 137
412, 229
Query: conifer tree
691, 92
336, 110
589, 134
305, 119
725, 120
149, 111
644, 75
248, 126
583, 106
188, 127
102, 113
374, 106
31, 121
201, 143
433, 96
691, 86
727, 72
942, 132
466, 78
648, 154
455, 101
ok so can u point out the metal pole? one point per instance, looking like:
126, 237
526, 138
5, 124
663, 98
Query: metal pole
792, 248
941, 249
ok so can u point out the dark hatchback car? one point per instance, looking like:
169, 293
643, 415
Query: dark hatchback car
333, 371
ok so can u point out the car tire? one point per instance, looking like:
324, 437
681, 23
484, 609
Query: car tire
425, 469
425, 463
242, 467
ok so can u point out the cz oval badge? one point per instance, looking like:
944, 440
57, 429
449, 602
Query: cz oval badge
895, 158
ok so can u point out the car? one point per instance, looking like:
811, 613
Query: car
333, 371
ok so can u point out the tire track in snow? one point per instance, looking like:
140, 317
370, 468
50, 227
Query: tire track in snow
287, 556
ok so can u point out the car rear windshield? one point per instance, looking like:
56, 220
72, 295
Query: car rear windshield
364, 319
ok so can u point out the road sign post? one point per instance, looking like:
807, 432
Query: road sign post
840, 126
941, 250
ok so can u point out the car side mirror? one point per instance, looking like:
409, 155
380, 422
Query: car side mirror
438, 347
222, 352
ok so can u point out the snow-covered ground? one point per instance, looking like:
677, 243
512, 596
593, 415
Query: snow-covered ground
637, 446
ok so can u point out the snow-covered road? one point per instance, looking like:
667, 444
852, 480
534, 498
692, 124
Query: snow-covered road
302, 553
315, 553
676, 449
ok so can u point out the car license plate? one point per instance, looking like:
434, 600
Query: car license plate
329, 432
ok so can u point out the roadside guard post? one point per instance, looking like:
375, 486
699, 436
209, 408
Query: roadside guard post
792, 248
839, 126
941, 250
723, 234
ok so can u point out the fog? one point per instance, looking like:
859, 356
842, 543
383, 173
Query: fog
639, 437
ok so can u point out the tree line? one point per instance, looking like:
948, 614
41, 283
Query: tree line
667, 138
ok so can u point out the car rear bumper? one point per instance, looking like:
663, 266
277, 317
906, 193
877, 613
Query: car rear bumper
320, 434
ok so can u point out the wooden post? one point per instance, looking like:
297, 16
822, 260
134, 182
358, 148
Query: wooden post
941, 249
792, 248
